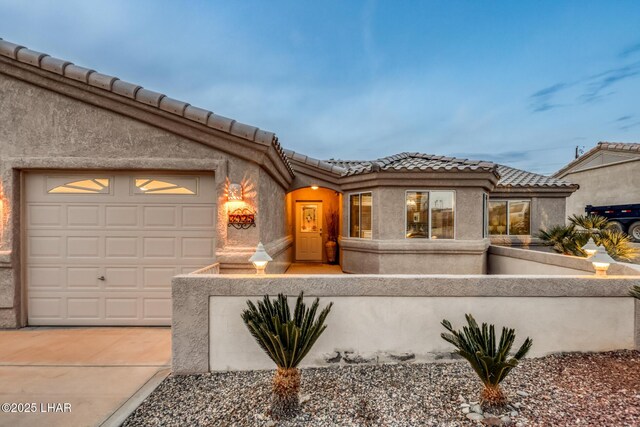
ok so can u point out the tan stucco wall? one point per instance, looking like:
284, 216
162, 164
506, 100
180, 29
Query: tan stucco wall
389, 252
613, 184
44, 129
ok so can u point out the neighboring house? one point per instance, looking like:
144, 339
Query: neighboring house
608, 174
109, 189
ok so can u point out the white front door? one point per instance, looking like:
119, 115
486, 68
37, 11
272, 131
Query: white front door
102, 247
309, 231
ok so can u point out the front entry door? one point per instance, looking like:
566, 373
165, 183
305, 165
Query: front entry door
309, 231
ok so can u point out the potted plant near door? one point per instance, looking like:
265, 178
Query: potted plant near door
331, 246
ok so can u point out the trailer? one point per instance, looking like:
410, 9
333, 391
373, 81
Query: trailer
624, 218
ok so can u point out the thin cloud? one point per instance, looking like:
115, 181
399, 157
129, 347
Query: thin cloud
599, 82
631, 50
541, 100
623, 118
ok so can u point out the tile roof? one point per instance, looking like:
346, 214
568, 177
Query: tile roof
411, 162
511, 177
142, 95
320, 164
628, 147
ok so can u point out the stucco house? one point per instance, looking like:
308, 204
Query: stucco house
109, 189
608, 174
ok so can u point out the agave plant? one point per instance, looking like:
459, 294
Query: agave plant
490, 359
286, 340
635, 291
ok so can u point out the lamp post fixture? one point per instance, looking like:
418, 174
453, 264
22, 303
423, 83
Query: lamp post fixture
601, 261
590, 247
260, 259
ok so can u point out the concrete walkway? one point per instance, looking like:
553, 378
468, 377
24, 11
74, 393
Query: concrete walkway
313, 268
93, 370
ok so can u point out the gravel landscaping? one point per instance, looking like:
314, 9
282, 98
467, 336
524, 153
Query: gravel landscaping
594, 389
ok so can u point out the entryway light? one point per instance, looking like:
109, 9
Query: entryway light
590, 247
314, 187
235, 193
260, 259
601, 261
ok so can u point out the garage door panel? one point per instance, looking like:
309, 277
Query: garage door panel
136, 242
160, 216
121, 216
41, 215
121, 247
83, 277
83, 216
83, 247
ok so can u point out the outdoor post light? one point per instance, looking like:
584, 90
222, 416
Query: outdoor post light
590, 247
601, 261
260, 259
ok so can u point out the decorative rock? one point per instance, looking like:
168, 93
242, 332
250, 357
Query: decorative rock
514, 413
332, 357
461, 399
517, 405
304, 399
464, 405
522, 393
402, 357
505, 420
271, 423
466, 410
492, 421
354, 358
475, 417
477, 409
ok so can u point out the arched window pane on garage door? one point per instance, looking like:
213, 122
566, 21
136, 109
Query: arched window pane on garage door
166, 185
78, 186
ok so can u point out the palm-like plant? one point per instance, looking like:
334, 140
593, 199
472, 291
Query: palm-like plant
492, 363
635, 291
286, 340
569, 239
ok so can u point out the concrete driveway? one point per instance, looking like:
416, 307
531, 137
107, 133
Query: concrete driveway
78, 376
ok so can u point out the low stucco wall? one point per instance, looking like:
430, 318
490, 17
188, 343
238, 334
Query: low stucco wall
376, 314
504, 260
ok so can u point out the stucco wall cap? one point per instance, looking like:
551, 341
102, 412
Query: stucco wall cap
102, 81
75, 72
125, 88
9, 49
220, 122
54, 65
197, 114
243, 131
29, 56
149, 97
173, 105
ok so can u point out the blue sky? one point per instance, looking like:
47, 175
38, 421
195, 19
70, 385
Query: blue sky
521, 83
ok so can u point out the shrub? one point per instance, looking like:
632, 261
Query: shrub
488, 358
569, 239
286, 340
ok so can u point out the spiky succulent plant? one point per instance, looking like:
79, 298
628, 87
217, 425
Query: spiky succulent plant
286, 340
488, 358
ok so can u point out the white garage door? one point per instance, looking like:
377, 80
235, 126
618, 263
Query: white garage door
101, 247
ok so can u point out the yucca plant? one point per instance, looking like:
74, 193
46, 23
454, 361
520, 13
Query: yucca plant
562, 238
617, 244
490, 359
635, 291
286, 340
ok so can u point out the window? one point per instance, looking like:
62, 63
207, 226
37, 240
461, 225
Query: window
173, 185
430, 214
360, 215
510, 217
78, 186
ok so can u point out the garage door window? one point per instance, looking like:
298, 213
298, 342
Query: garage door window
175, 186
57, 185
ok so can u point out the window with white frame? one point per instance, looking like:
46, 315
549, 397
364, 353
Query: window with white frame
360, 205
510, 217
430, 214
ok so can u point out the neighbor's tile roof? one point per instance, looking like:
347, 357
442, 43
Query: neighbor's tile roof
411, 162
632, 147
511, 177
142, 95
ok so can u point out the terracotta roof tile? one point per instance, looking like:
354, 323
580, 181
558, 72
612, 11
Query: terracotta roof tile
604, 145
512, 177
